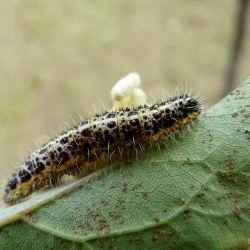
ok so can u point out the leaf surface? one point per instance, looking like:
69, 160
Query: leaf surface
192, 194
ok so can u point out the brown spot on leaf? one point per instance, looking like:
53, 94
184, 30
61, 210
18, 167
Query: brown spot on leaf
115, 215
157, 220
237, 212
155, 238
200, 195
145, 195
103, 224
125, 188
94, 214
187, 214
104, 203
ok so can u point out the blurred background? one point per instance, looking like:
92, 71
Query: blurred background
61, 58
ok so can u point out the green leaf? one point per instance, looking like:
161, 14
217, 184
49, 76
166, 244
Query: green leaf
193, 194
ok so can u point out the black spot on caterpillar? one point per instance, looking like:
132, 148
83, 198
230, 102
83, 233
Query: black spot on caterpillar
99, 141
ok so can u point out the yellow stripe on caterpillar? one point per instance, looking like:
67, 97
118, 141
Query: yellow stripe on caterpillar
103, 139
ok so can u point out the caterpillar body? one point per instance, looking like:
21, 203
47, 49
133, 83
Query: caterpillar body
100, 141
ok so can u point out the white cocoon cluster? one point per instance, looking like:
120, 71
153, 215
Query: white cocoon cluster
127, 92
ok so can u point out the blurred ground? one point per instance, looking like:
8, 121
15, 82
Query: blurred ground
60, 58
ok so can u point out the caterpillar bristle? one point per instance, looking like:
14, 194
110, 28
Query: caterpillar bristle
124, 133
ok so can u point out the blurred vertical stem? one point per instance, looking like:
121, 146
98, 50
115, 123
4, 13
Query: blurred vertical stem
237, 44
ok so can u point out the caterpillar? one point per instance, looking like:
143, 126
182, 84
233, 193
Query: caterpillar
103, 139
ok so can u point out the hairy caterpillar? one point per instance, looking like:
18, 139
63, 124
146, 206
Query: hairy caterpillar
103, 139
